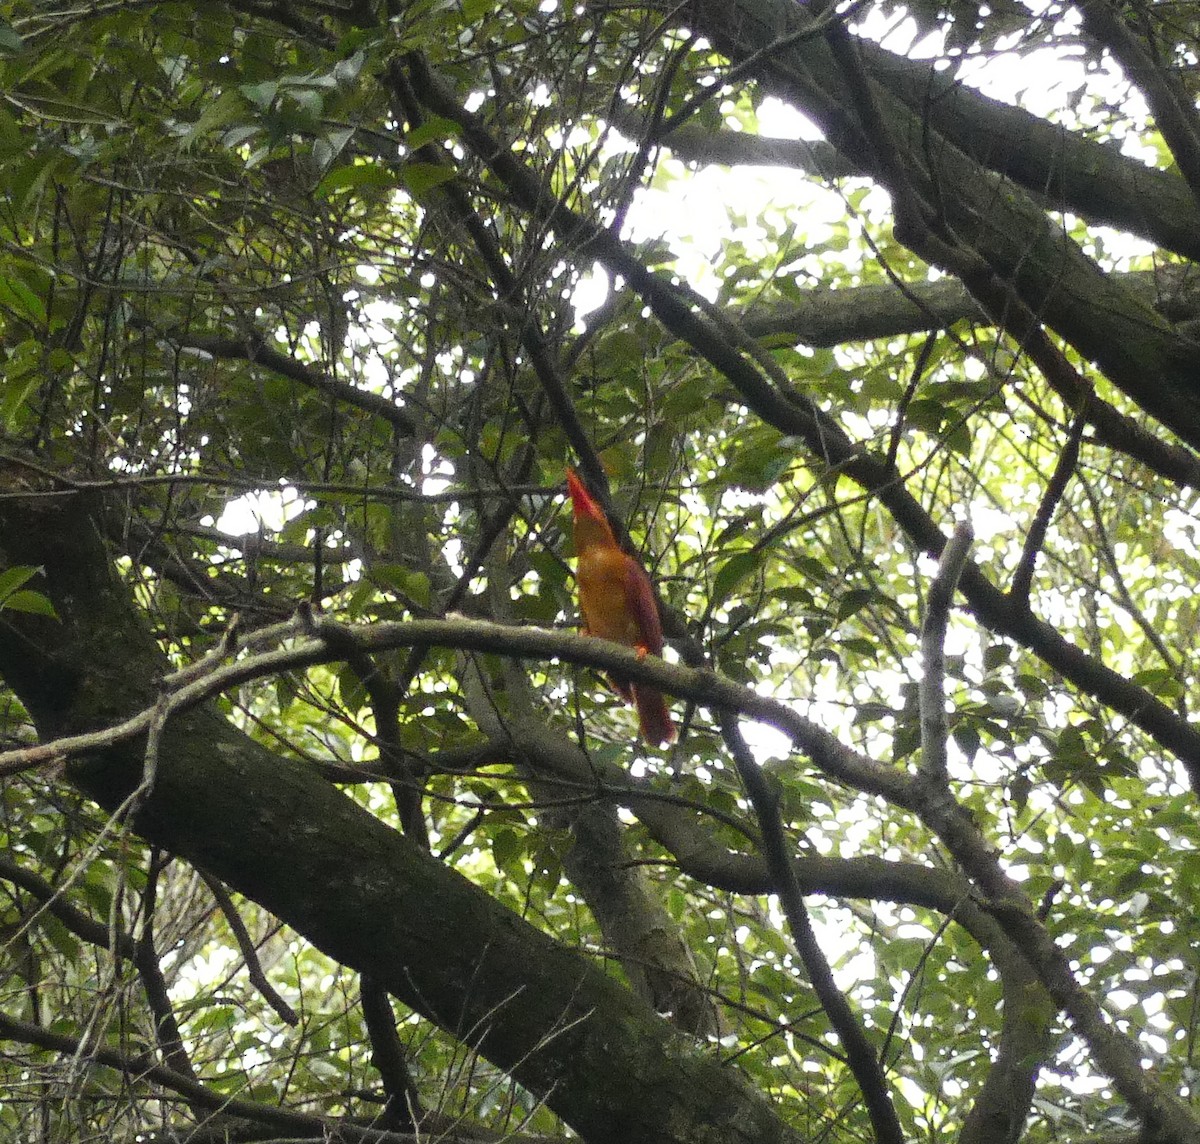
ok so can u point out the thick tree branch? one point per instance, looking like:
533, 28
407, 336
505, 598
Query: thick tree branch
1060, 169
834, 317
704, 145
1055, 280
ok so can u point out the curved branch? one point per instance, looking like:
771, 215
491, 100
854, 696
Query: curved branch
330, 642
245, 944
1164, 1115
166, 1027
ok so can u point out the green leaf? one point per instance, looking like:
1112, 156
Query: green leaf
31, 602
405, 582
16, 577
1161, 681
215, 115
421, 178
346, 71
852, 602
736, 569
17, 598
10, 43
262, 95
355, 176
508, 848
435, 129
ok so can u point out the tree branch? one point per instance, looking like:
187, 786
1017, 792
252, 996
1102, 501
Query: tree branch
934, 730
249, 954
403, 1107
1054, 278
1174, 114
1118, 1054
275, 831
859, 1054
191, 1090
166, 1027
253, 348
1022, 581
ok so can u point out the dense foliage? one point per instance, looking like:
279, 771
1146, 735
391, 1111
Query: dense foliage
319, 820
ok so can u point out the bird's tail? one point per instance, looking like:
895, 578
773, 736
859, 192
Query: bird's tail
653, 716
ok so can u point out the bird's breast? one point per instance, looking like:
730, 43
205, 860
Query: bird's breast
603, 596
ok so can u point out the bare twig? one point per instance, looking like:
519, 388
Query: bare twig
934, 729
253, 348
245, 944
860, 1056
166, 1028
1022, 580
747, 67
193, 1091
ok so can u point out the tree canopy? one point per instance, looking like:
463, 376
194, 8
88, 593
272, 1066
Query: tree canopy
320, 820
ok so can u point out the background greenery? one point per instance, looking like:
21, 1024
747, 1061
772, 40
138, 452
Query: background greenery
359, 874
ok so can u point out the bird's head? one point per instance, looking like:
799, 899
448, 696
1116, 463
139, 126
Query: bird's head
582, 501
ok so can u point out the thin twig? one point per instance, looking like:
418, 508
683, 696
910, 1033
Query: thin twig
752, 63
195, 1092
245, 944
166, 1027
1022, 581
859, 1054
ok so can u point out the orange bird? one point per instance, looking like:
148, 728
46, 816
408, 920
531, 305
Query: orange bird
617, 602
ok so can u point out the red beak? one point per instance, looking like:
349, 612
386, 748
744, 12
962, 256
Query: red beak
581, 500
